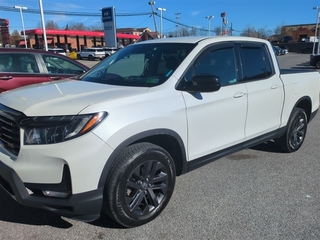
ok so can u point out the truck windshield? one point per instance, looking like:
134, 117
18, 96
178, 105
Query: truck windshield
143, 65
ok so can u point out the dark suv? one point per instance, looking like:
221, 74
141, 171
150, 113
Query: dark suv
315, 61
20, 67
286, 39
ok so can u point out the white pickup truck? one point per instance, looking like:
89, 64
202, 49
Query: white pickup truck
113, 140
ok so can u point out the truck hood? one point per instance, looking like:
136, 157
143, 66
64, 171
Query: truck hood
66, 97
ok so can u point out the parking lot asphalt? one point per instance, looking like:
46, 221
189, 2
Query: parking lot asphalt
258, 193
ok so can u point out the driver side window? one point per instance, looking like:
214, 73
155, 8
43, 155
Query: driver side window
218, 62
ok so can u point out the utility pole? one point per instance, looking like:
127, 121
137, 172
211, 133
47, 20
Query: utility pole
151, 3
178, 25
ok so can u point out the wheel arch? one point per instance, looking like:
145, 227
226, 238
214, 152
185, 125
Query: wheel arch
305, 103
165, 138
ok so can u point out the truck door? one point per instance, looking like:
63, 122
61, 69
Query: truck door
265, 90
216, 120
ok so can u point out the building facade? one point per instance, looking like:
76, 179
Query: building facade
299, 32
72, 39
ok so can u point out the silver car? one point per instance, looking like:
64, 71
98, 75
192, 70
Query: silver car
91, 53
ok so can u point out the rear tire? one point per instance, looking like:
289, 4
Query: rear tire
296, 131
318, 65
140, 185
90, 58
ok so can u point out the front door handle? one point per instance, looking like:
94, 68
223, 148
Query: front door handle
239, 94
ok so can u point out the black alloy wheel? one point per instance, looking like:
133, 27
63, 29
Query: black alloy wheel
296, 131
140, 186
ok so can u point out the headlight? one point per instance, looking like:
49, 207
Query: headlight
56, 129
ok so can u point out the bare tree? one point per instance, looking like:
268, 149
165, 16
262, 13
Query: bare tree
185, 32
277, 30
96, 27
15, 37
217, 31
193, 31
52, 25
263, 33
77, 26
49, 25
249, 32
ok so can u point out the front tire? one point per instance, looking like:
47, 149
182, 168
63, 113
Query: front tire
90, 58
140, 185
318, 64
296, 131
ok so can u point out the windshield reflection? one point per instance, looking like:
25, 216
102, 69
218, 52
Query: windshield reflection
144, 65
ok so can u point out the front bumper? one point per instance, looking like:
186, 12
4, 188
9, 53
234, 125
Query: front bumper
73, 167
83, 206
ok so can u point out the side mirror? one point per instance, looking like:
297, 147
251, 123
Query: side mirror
201, 83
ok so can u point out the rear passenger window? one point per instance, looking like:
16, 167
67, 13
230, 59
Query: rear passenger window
18, 63
255, 62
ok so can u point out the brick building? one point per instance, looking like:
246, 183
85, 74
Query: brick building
299, 32
72, 39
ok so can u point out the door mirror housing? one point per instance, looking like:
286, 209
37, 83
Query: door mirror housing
201, 83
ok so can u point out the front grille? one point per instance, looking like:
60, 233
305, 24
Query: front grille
9, 130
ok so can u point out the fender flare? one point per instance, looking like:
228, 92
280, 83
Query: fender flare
136, 138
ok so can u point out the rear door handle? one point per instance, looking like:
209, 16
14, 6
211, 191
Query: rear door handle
6, 78
55, 78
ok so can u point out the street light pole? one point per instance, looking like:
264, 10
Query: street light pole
43, 26
315, 32
24, 32
209, 18
161, 10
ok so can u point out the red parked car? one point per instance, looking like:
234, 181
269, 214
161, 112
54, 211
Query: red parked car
20, 67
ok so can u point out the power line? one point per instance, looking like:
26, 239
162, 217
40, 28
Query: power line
85, 14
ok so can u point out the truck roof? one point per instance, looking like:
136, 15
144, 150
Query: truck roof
196, 39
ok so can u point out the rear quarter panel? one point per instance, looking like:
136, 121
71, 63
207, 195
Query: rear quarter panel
297, 85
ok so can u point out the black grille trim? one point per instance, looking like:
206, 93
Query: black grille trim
9, 129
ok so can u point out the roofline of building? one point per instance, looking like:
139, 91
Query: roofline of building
39, 31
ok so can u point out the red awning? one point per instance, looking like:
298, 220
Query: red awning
78, 33
22, 43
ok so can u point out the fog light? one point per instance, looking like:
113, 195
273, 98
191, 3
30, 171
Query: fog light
49, 193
